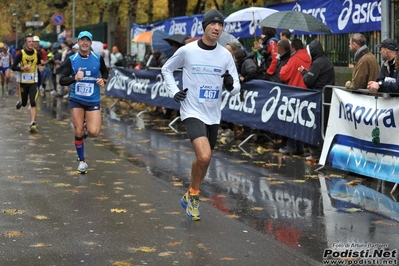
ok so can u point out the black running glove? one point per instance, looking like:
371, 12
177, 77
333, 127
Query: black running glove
228, 81
181, 95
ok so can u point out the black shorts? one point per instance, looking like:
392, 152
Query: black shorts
196, 128
73, 103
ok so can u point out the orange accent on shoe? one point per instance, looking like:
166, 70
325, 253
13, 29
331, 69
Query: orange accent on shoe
194, 192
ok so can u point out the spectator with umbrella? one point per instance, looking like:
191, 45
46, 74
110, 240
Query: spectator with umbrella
177, 40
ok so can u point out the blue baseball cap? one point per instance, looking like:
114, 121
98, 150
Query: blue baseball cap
85, 34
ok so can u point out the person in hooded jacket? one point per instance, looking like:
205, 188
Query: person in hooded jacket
320, 74
246, 66
247, 70
158, 59
321, 71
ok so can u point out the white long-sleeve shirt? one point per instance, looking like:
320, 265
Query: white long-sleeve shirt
202, 71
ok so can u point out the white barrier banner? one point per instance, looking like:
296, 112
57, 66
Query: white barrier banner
352, 142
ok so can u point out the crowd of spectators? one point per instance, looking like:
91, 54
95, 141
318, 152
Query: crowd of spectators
281, 59
289, 61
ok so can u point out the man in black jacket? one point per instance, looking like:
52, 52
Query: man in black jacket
320, 74
321, 71
284, 54
386, 80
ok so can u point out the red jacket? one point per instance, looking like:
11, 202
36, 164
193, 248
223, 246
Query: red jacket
289, 73
272, 49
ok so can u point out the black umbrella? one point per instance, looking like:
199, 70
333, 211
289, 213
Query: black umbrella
178, 39
294, 20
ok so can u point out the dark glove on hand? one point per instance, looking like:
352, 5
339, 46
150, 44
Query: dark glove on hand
228, 81
181, 95
242, 99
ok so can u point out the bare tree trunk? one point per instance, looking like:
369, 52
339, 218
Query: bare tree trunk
215, 3
150, 11
198, 7
177, 9
130, 19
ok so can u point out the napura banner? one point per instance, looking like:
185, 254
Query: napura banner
349, 144
277, 108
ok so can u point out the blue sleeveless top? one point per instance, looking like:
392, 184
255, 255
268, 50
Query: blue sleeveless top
86, 89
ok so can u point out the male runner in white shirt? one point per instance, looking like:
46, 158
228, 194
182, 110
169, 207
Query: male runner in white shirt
207, 67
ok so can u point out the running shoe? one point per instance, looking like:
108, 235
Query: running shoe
82, 168
32, 127
191, 204
18, 105
86, 133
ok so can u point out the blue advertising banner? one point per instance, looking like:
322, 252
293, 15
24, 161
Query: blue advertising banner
277, 108
341, 16
188, 25
192, 26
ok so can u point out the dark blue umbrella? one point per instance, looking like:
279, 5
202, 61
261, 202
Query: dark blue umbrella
156, 40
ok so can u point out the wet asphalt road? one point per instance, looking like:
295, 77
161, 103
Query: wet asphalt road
259, 207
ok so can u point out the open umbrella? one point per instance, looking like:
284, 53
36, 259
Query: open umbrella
179, 39
226, 38
254, 14
250, 14
156, 40
295, 20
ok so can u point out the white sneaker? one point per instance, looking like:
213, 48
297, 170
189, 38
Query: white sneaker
82, 168
41, 89
53, 92
66, 96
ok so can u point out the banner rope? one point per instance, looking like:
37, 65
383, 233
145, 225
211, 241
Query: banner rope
375, 133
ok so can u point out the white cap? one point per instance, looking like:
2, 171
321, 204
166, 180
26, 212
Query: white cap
36, 39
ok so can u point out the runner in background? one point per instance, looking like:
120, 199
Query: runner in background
6, 61
27, 62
